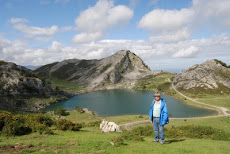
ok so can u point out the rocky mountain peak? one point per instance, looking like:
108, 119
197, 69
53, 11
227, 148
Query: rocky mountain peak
210, 76
121, 66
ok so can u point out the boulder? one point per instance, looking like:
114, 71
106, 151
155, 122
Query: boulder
106, 126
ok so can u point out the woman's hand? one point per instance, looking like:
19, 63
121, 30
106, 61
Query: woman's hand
150, 120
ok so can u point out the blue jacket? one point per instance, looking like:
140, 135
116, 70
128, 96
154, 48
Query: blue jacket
163, 112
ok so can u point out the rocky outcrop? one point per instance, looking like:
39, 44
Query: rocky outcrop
18, 83
121, 69
106, 126
209, 77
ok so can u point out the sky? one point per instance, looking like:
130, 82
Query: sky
168, 35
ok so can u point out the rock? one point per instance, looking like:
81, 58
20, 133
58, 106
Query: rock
208, 77
18, 83
106, 126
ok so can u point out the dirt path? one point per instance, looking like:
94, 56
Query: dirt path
222, 109
128, 125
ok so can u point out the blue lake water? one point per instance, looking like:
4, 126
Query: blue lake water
121, 102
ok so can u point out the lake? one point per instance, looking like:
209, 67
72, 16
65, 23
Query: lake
121, 102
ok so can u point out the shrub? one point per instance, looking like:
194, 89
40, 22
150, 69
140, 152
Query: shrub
64, 124
191, 131
222, 63
93, 124
187, 131
143, 131
14, 125
118, 141
40, 123
43, 129
3, 116
24, 124
43, 119
60, 111
21, 124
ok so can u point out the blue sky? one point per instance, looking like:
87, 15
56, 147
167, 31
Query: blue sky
167, 35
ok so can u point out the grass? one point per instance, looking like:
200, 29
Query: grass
92, 140
154, 82
66, 85
81, 117
44, 101
218, 100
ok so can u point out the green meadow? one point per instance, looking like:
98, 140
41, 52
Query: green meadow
212, 135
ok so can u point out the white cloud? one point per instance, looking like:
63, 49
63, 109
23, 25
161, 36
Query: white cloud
212, 15
186, 53
37, 33
88, 37
176, 36
18, 20
152, 53
95, 21
166, 20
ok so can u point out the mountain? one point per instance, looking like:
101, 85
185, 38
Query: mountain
18, 86
31, 67
121, 69
212, 76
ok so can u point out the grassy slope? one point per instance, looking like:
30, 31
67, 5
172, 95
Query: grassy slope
92, 140
66, 85
155, 83
222, 100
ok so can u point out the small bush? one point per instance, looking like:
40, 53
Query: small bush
43, 129
61, 111
143, 131
93, 124
42, 119
118, 141
64, 124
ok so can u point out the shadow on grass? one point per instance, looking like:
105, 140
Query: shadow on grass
83, 130
173, 140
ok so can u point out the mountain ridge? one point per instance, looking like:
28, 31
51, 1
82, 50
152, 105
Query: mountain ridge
97, 73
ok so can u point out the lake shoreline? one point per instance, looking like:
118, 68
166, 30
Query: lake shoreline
101, 89
101, 115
